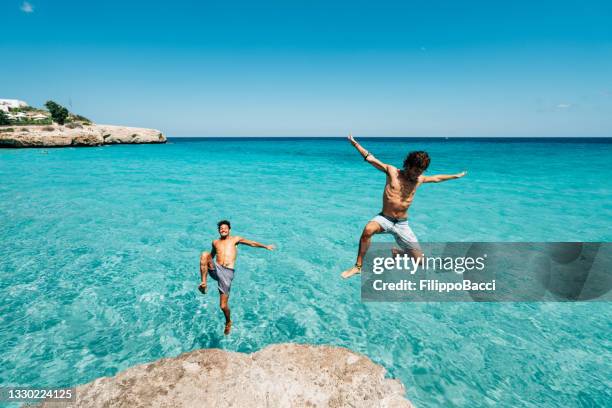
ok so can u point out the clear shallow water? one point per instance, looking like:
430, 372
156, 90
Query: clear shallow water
100, 247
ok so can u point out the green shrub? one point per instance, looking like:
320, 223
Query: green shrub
4, 119
58, 112
81, 118
31, 122
24, 109
7, 130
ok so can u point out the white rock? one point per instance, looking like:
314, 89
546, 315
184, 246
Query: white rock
90, 135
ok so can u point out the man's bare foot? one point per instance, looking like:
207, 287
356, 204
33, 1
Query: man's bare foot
352, 271
228, 327
202, 288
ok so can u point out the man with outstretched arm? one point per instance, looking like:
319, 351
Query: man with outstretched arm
222, 269
398, 194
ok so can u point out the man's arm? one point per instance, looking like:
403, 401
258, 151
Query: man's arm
367, 156
255, 244
442, 177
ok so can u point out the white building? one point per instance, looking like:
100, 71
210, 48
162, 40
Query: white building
6, 104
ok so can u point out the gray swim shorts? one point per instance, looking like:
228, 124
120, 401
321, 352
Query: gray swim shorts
224, 277
400, 230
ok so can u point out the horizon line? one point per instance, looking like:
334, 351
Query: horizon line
390, 137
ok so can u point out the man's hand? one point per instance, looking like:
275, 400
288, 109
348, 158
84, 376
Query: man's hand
367, 156
462, 174
270, 247
351, 139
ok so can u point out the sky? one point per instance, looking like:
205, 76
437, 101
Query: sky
317, 68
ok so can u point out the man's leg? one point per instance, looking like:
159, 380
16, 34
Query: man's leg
205, 264
223, 302
405, 238
370, 229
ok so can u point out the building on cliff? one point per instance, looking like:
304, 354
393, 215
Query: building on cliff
7, 104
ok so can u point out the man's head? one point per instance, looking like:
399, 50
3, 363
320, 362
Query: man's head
224, 227
416, 163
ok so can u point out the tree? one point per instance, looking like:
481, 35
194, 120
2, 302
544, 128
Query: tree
4, 119
59, 114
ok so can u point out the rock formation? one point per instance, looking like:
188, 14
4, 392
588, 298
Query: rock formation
76, 135
282, 375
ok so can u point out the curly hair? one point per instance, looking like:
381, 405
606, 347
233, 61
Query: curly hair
224, 222
419, 160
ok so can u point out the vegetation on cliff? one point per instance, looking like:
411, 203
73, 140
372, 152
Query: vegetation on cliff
31, 116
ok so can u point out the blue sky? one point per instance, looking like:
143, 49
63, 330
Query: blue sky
310, 68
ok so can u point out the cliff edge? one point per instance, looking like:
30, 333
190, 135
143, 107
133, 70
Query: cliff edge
281, 375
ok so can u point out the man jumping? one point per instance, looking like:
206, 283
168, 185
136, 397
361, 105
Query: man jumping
397, 198
222, 269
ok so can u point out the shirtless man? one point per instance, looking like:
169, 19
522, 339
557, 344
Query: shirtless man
397, 197
222, 269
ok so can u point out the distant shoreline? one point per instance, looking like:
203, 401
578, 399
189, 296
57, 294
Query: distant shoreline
70, 135
553, 139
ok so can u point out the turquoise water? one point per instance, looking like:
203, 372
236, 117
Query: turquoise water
100, 247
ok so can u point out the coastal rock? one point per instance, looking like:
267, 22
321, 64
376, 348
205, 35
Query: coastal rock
282, 375
82, 135
122, 134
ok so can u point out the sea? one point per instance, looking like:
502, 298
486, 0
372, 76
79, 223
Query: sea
100, 255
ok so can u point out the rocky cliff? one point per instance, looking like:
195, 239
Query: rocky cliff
282, 375
75, 135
